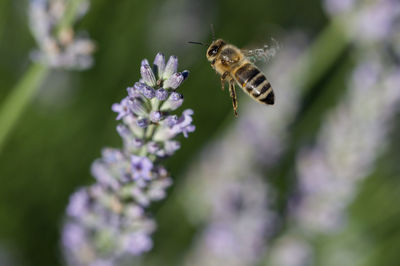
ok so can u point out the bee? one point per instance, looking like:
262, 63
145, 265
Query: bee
234, 67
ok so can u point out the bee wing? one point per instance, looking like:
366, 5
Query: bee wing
264, 53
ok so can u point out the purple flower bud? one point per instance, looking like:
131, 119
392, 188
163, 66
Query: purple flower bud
133, 92
174, 81
153, 147
159, 65
155, 116
136, 142
161, 94
162, 172
147, 74
171, 120
73, 236
171, 147
161, 153
134, 211
188, 112
139, 86
141, 167
188, 129
78, 203
149, 92
138, 194
112, 155
124, 132
121, 108
184, 124
186, 117
157, 189
171, 67
98, 191
143, 123
104, 177
145, 62
137, 243
137, 106
174, 101
176, 96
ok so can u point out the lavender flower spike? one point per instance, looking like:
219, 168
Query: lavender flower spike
59, 46
108, 221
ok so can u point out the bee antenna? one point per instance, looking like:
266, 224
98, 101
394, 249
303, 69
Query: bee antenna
204, 44
212, 31
197, 43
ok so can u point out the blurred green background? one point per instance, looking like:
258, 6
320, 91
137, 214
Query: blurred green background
49, 153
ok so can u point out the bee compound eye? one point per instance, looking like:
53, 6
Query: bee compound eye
213, 50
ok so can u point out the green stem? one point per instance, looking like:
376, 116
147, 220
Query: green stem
314, 63
19, 98
27, 87
69, 16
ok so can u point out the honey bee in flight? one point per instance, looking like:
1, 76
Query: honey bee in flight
233, 66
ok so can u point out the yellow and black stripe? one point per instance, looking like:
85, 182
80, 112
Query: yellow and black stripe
255, 83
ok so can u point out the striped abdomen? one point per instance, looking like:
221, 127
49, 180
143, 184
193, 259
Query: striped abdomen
254, 83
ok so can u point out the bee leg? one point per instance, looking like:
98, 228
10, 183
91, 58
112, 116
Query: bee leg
233, 95
223, 78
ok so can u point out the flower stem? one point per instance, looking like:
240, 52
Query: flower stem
19, 98
314, 63
69, 16
150, 132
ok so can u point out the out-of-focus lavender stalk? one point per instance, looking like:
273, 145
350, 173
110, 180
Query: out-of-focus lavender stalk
240, 221
347, 147
107, 222
353, 136
225, 189
355, 132
51, 23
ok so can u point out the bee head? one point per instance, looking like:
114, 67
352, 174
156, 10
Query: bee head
214, 49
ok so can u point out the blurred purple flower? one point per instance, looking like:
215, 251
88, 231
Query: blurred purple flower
73, 235
59, 47
121, 108
367, 21
184, 124
141, 167
338, 6
137, 243
353, 134
78, 203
